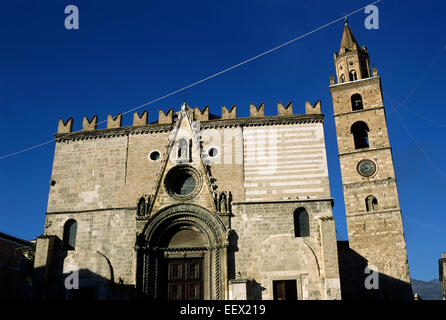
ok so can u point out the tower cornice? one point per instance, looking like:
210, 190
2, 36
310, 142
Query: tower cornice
353, 83
363, 151
358, 111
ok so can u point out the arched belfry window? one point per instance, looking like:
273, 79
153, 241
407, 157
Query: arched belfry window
342, 78
371, 203
356, 102
301, 223
360, 130
353, 75
69, 235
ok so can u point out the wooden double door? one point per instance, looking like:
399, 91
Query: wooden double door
184, 279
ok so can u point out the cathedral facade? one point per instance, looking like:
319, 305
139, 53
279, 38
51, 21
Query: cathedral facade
199, 206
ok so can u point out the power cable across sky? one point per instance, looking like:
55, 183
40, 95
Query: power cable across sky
209, 77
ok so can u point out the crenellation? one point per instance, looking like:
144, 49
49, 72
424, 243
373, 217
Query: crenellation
313, 108
114, 122
65, 127
140, 120
284, 110
201, 115
88, 125
255, 112
165, 118
228, 114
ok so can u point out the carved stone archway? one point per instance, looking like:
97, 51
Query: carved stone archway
152, 249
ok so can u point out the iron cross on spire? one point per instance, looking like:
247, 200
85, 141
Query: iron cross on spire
185, 97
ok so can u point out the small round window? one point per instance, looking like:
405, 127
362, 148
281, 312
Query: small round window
154, 155
213, 152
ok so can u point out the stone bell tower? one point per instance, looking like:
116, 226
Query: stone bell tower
375, 229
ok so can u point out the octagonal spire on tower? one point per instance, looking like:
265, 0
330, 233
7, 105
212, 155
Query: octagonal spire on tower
352, 62
348, 42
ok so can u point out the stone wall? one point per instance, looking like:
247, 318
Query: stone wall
88, 174
266, 248
100, 175
101, 235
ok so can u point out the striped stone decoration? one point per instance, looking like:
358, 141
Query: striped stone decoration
285, 161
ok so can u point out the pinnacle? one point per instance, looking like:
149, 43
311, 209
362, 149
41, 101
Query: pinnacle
348, 42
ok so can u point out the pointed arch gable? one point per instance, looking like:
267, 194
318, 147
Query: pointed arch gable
184, 122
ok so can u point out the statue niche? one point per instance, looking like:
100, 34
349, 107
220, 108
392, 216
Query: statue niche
223, 201
183, 152
144, 206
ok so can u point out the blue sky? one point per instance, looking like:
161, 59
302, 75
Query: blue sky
129, 52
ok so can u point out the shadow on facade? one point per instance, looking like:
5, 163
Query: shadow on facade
232, 249
49, 280
352, 275
254, 289
91, 286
